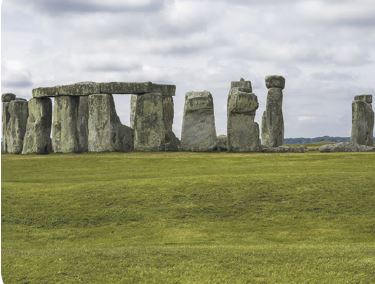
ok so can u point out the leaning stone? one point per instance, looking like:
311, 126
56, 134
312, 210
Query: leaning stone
198, 127
106, 133
272, 120
362, 121
242, 130
16, 128
64, 125
345, 147
275, 81
37, 137
8, 97
222, 143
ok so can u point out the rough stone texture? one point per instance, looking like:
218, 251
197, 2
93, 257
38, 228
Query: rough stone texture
16, 127
106, 133
222, 143
243, 132
150, 131
8, 97
198, 126
64, 125
89, 88
82, 123
242, 85
37, 137
362, 121
275, 81
133, 105
345, 147
272, 120
5, 121
284, 149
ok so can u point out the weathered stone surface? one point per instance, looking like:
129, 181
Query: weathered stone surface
64, 125
5, 121
242, 130
272, 120
37, 137
149, 126
89, 88
362, 121
198, 127
345, 147
133, 105
8, 97
16, 127
222, 143
82, 123
242, 85
284, 149
275, 81
106, 133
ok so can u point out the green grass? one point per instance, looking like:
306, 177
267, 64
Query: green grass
189, 218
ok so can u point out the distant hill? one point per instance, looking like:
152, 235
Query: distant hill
303, 140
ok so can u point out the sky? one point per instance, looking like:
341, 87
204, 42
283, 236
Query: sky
324, 49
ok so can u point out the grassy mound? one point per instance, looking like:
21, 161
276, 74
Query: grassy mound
189, 218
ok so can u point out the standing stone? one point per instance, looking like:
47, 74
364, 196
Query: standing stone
242, 130
64, 125
362, 121
198, 126
37, 137
149, 124
169, 142
5, 98
106, 133
16, 127
82, 123
272, 120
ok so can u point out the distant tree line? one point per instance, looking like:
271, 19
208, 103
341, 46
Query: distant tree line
302, 140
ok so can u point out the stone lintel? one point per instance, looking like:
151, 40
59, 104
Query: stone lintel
89, 88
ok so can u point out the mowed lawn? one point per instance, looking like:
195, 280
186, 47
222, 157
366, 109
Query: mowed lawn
188, 218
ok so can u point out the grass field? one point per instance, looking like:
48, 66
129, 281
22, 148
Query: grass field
188, 218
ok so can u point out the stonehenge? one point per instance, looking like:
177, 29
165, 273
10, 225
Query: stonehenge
272, 120
242, 130
198, 125
362, 121
83, 118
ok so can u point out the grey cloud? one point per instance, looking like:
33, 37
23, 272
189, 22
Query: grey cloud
333, 75
55, 7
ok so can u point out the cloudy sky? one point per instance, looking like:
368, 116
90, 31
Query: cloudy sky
325, 49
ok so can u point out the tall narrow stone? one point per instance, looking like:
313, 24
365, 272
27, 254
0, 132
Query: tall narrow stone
82, 123
242, 130
64, 125
362, 121
272, 120
198, 126
106, 133
16, 126
5, 98
37, 138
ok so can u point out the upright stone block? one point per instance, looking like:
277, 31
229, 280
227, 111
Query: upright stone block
198, 126
64, 125
37, 138
106, 133
362, 121
5, 98
16, 127
149, 124
272, 120
242, 130
82, 123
